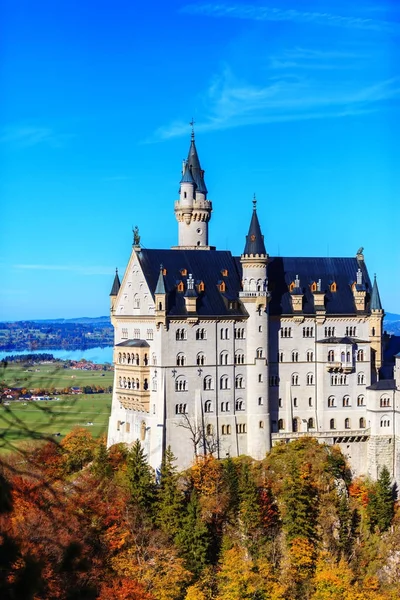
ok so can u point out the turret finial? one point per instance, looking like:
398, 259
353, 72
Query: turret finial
192, 122
254, 201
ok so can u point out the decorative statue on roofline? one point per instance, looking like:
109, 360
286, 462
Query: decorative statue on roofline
136, 236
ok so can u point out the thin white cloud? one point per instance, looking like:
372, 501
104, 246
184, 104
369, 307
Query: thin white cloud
266, 13
25, 136
78, 269
232, 103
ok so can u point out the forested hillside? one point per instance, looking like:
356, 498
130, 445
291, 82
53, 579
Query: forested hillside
79, 521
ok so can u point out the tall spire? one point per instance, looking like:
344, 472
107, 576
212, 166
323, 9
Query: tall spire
193, 163
116, 285
375, 303
254, 239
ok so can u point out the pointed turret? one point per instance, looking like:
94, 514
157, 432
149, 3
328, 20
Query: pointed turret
375, 303
254, 239
160, 297
195, 168
160, 287
116, 285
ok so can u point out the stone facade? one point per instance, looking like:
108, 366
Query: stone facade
215, 353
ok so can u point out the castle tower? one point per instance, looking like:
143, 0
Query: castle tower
192, 210
375, 322
255, 297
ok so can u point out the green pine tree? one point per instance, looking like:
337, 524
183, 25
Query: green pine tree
345, 527
231, 480
193, 538
141, 479
249, 508
101, 466
169, 499
299, 497
384, 510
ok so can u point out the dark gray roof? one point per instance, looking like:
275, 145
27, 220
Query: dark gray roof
195, 168
254, 239
133, 344
375, 303
384, 384
208, 265
342, 340
116, 285
282, 272
205, 266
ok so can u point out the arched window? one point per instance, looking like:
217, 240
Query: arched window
154, 384
331, 355
310, 379
224, 382
241, 428
223, 429
311, 423
361, 379
137, 359
343, 356
209, 429
154, 359
346, 400
200, 359
180, 359
310, 356
259, 353
223, 358
137, 384
385, 421
332, 424
136, 301
348, 356
181, 334
239, 404
347, 424
207, 406
201, 334
281, 425
295, 379
360, 401
385, 401
239, 357
239, 382
296, 424
129, 359
208, 383
331, 402
280, 357
181, 384
180, 409
295, 356
224, 333
362, 423
360, 355
129, 383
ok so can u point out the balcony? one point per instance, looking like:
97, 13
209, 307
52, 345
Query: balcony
339, 367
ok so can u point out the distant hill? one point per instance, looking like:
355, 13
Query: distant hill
391, 323
85, 320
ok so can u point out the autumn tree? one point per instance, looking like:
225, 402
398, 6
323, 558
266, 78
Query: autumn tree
78, 449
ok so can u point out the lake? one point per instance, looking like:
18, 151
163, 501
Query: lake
95, 355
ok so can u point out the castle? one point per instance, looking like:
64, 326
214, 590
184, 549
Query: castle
230, 355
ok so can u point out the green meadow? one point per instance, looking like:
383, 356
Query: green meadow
26, 421
29, 421
52, 375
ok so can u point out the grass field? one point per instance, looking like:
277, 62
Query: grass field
38, 420
52, 375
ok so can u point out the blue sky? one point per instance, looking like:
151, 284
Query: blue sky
297, 101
